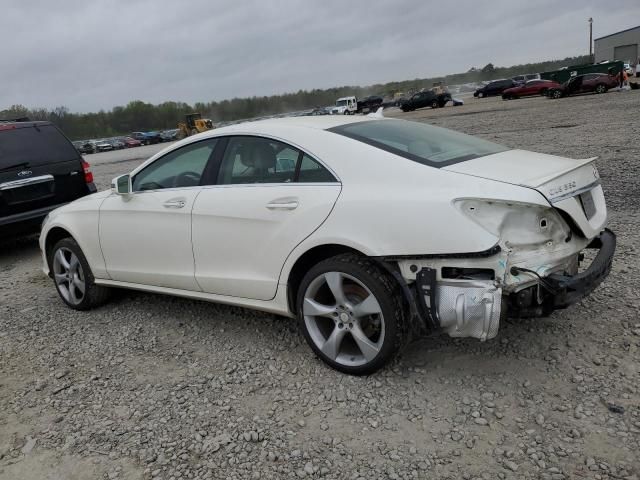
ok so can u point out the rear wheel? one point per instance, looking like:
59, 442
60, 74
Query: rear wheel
601, 88
351, 314
556, 94
73, 278
434, 104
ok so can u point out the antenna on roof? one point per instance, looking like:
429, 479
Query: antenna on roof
377, 114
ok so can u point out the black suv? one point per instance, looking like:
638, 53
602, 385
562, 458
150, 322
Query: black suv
40, 170
494, 88
427, 98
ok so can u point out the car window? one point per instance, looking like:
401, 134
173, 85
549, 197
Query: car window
179, 168
312, 171
419, 142
257, 160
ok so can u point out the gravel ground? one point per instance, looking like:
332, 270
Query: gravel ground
156, 387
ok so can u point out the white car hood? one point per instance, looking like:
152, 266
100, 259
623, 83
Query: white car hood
554, 177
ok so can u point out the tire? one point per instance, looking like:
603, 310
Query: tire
480, 95
362, 343
434, 104
70, 270
600, 88
556, 94
506, 97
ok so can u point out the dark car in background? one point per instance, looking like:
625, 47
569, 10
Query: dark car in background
370, 104
40, 170
146, 138
85, 147
587, 83
494, 88
532, 87
423, 99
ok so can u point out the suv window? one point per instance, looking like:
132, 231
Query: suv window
419, 142
180, 168
35, 145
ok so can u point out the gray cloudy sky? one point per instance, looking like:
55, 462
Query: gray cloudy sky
90, 55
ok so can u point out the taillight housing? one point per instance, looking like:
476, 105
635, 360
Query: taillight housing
88, 176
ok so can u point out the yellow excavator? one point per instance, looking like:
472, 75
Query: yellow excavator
193, 124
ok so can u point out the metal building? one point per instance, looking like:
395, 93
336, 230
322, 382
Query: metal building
622, 46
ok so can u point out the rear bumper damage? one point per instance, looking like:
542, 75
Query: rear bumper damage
474, 307
571, 289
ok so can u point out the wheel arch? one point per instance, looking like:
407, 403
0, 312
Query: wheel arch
306, 261
53, 236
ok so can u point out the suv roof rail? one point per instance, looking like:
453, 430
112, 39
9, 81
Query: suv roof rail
18, 119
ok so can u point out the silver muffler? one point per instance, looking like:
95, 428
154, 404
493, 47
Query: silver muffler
469, 308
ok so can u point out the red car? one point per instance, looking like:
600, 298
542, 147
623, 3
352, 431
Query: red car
532, 87
131, 142
588, 83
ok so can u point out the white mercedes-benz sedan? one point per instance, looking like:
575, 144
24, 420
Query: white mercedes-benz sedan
369, 230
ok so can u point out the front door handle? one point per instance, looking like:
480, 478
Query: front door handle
174, 203
284, 204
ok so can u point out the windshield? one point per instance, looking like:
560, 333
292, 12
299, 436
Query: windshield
419, 142
341, 103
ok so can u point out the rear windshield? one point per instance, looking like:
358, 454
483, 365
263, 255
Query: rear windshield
35, 145
422, 143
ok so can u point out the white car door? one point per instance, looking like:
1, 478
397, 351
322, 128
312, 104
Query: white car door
269, 197
146, 236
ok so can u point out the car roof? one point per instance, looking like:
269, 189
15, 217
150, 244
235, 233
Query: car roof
317, 122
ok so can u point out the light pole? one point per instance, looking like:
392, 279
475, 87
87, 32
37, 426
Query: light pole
591, 39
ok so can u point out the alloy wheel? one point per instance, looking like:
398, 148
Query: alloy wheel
69, 276
343, 319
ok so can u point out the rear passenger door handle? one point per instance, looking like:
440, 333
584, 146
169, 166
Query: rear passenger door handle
174, 203
290, 205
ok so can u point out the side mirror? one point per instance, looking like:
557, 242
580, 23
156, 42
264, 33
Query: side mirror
121, 185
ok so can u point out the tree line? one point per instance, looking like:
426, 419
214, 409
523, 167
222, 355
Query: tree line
140, 116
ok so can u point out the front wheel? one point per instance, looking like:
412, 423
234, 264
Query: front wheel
601, 88
73, 278
556, 94
351, 314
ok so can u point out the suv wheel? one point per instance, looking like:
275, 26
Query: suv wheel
351, 314
73, 278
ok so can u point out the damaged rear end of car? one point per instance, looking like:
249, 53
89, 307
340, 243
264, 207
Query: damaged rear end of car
538, 263
502, 232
